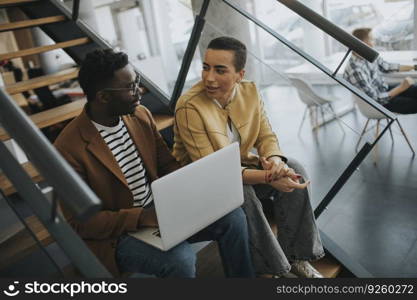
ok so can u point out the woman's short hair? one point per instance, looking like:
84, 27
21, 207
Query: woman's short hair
98, 69
231, 44
362, 33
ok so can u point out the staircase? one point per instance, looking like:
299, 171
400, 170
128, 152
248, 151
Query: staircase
76, 39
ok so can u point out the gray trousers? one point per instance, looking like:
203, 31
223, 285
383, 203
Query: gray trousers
298, 236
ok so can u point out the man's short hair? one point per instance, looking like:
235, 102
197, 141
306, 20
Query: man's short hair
362, 33
231, 44
98, 69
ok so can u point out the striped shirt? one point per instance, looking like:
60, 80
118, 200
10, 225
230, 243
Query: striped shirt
124, 151
367, 76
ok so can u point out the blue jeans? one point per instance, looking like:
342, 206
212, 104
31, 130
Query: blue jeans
135, 256
404, 103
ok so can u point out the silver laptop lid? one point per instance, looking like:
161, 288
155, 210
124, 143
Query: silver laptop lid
198, 194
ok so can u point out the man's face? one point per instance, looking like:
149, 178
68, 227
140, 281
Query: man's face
122, 99
370, 41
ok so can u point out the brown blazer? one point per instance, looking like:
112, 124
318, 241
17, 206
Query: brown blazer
82, 146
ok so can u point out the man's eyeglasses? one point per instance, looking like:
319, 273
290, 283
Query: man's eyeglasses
134, 89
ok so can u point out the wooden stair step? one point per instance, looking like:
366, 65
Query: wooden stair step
61, 113
41, 81
71, 110
52, 116
31, 23
46, 48
58, 114
21, 244
7, 187
328, 266
4, 3
20, 100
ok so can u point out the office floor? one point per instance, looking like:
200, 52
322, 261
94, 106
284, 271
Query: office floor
373, 217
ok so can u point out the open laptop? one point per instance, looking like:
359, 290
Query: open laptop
193, 197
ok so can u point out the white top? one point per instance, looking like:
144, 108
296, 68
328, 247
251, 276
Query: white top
232, 132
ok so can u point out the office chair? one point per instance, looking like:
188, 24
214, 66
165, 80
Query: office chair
313, 101
372, 114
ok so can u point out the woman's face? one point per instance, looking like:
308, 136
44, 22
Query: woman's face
219, 74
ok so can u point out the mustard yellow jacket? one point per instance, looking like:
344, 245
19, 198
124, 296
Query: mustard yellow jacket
201, 125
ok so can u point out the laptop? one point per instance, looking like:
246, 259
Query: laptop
193, 197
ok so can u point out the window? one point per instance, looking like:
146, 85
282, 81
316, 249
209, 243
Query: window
392, 21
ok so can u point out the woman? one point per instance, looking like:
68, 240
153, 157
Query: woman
221, 109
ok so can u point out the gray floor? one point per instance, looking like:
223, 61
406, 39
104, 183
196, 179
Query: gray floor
373, 218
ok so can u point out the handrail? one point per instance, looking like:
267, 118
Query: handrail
75, 9
70, 188
314, 61
357, 45
331, 29
357, 160
189, 54
77, 196
362, 50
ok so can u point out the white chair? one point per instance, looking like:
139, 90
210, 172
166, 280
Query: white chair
313, 101
372, 114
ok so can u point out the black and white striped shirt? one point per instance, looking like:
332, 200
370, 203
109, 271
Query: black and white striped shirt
124, 150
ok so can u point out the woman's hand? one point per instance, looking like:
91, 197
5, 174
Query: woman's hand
287, 184
276, 167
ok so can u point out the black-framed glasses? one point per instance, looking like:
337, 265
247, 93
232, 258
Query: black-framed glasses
134, 89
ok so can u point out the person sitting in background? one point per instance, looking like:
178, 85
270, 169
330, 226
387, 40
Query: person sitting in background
368, 77
116, 149
221, 109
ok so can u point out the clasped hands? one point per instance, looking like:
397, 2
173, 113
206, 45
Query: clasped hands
280, 176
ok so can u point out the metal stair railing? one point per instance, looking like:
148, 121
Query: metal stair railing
322, 23
69, 187
353, 44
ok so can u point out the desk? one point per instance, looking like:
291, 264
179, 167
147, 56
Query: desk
403, 58
313, 75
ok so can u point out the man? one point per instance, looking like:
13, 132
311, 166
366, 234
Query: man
115, 147
367, 77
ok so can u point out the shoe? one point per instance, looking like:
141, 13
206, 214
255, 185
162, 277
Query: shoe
304, 269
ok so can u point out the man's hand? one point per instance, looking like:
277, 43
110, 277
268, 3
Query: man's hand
406, 83
287, 185
148, 218
406, 68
